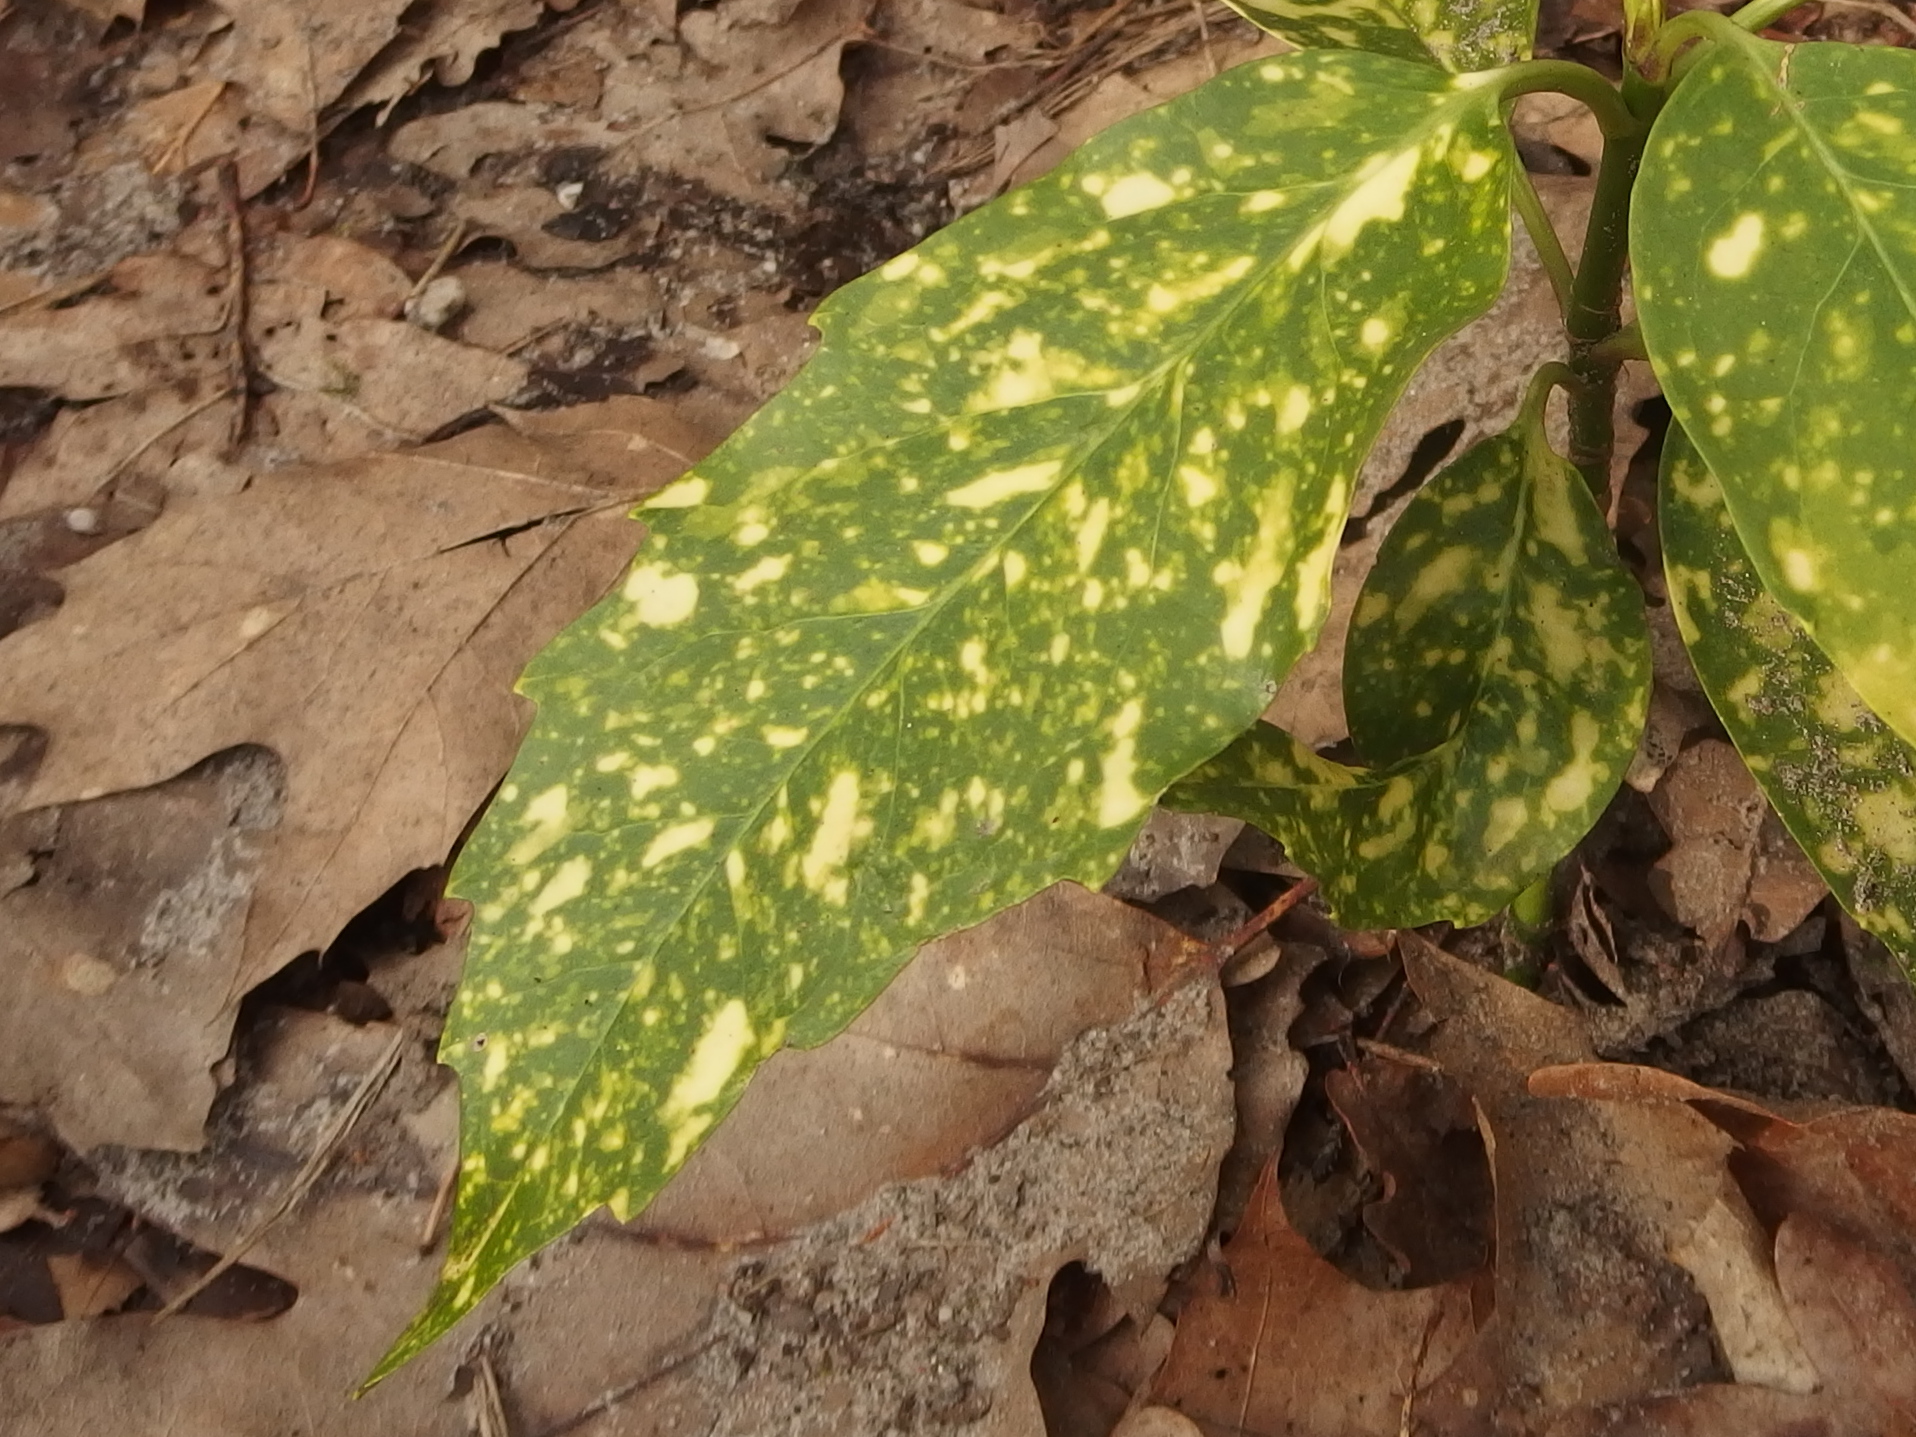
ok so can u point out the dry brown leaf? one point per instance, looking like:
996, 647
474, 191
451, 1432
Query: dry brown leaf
154, 322
124, 948
350, 385
1173, 851
1281, 1341
931, 1292
444, 43
88, 1285
948, 1060
363, 624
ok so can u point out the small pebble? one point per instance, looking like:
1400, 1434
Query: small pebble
435, 306
83, 521
568, 194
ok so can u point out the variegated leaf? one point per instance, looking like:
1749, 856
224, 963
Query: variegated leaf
1773, 241
1036, 532
1544, 678
1433, 605
1842, 782
1459, 35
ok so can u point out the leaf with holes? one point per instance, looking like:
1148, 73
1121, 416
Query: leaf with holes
1458, 35
1842, 782
1034, 534
1774, 245
1501, 582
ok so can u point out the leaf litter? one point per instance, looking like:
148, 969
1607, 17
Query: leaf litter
959, 1216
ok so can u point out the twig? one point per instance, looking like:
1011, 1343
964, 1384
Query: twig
312, 124
763, 82
56, 294
174, 155
127, 460
490, 1402
1284, 903
606, 1401
1877, 7
438, 262
1204, 37
239, 360
1396, 1054
302, 1183
429, 1230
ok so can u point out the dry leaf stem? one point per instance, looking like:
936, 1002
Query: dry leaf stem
303, 1181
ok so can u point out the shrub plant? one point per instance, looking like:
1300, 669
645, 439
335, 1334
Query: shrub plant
1030, 543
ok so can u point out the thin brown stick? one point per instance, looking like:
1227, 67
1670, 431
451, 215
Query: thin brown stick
127, 460
1204, 37
303, 1181
489, 1400
1395, 1054
429, 1230
56, 294
763, 82
174, 155
1282, 904
439, 261
1876, 7
239, 359
606, 1401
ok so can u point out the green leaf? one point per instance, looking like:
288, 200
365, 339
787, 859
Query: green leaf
1036, 532
1773, 240
1433, 605
1457, 35
1842, 782
1505, 589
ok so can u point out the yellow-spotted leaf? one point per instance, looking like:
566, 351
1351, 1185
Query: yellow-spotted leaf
1773, 240
1433, 605
1458, 35
1842, 782
1036, 532
1537, 722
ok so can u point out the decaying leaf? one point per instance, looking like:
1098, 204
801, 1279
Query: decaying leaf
124, 949
1773, 240
1839, 778
1288, 1343
818, 724
397, 600
1498, 672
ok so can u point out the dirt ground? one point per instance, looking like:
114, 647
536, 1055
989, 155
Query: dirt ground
354, 332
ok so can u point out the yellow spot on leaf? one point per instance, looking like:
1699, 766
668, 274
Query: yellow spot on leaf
564, 886
1134, 194
995, 488
545, 818
715, 1058
1118, 798
687, 493
661, 598
823, 865
675, 840
1732, 253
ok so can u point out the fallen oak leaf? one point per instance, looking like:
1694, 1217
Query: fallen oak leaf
1290, 1344
363, 623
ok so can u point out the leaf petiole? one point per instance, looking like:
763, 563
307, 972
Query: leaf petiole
1579, 82
1759, 14
1543, 234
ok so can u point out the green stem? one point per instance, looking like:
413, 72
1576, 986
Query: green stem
1579, 82
1759, 13
1626, 344
1596, 309
1543, 235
